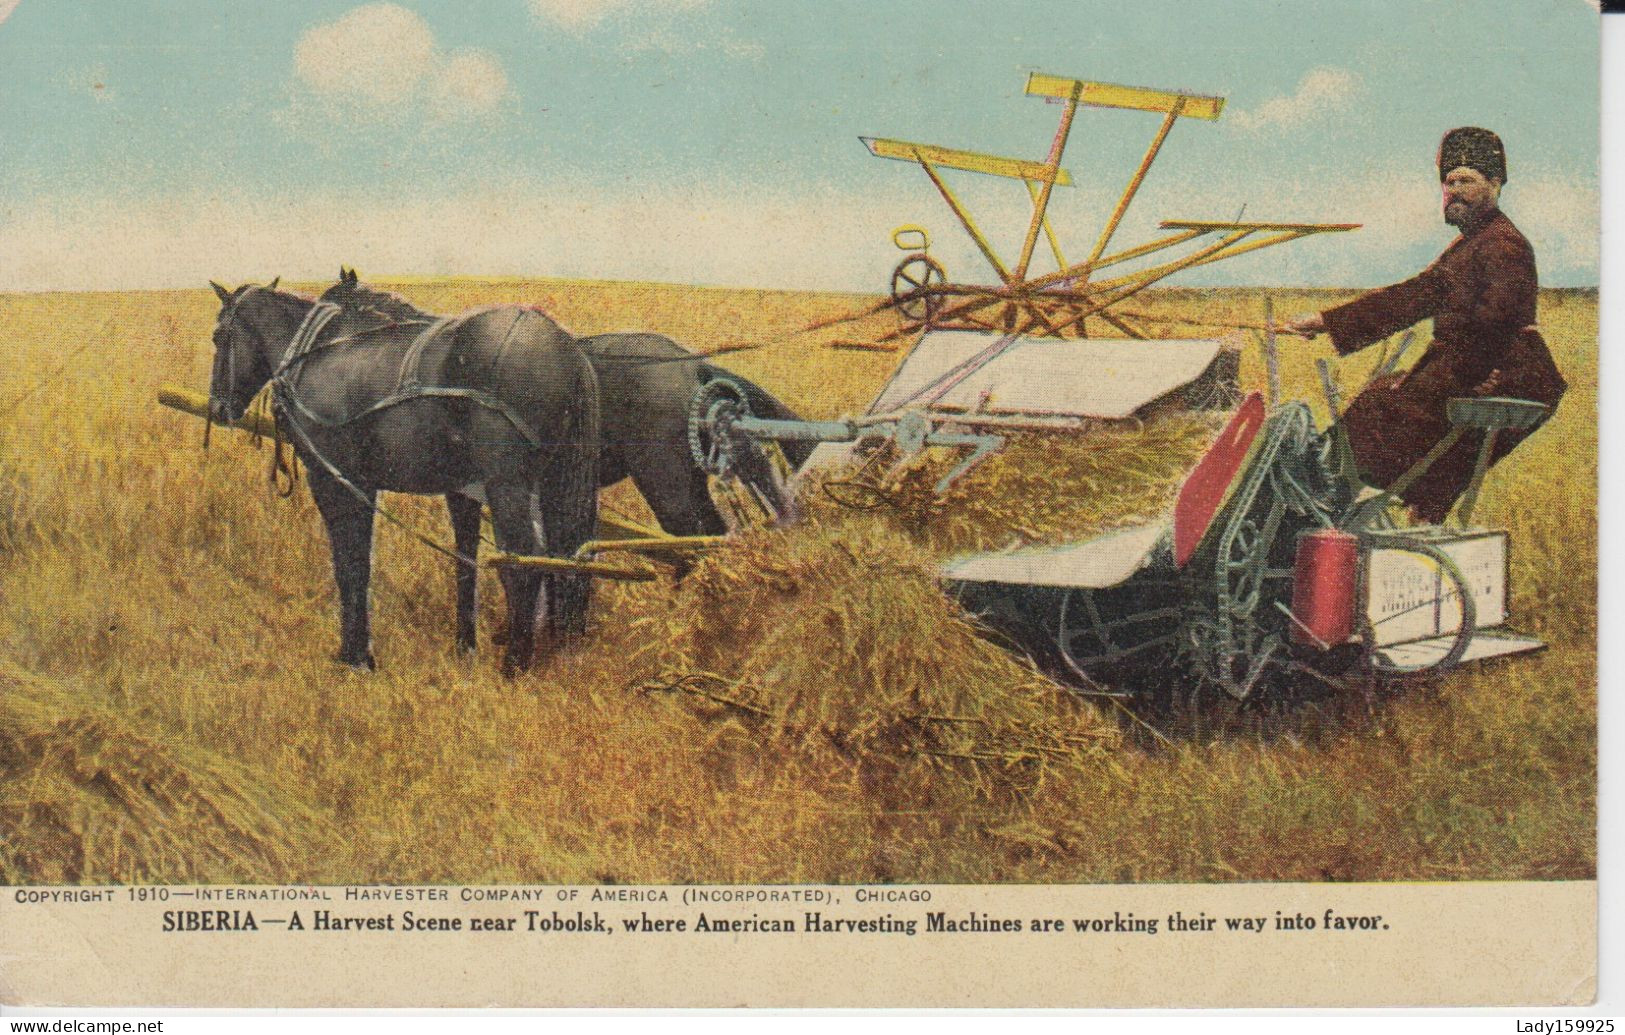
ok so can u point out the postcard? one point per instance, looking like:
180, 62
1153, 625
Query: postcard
723, 503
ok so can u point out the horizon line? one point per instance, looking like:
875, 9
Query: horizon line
425, 280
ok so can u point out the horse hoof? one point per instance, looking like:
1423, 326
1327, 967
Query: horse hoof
516, 664
365, 664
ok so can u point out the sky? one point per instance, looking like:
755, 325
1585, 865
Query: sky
161, 143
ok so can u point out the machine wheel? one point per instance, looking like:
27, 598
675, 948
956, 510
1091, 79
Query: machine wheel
914, 286
711, 414
1469, 618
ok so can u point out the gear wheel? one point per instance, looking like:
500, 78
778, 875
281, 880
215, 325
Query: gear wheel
915, 287
711, 414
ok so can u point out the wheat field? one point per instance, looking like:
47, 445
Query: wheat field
804, 706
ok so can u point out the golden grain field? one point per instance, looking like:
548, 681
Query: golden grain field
805, 706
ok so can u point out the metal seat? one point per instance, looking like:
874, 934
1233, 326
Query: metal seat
1495, 414
1492, 415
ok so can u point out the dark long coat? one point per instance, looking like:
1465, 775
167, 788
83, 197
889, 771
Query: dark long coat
1481, 296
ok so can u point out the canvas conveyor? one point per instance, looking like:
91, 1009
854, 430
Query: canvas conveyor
966, 391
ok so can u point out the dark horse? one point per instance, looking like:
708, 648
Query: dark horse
646, 384
500, 397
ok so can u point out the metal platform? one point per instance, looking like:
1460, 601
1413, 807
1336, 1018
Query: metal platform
1097, 564
1425, 654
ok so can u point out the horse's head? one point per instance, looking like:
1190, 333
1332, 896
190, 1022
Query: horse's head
355, 297
251, 328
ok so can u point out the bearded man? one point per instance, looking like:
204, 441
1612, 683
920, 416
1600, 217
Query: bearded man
1481, 295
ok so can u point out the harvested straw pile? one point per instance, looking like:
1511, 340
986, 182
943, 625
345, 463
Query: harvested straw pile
834, 643
834, 636
85, 798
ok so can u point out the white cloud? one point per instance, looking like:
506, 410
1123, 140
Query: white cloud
581, 15
1398, 207
379, 53
467, 83
1560, 217
827, 240
382, 61
1320, 91
711, 235
575, 15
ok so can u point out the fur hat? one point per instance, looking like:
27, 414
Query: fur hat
1473, 148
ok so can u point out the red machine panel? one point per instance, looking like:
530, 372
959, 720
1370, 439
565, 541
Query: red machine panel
1205, 490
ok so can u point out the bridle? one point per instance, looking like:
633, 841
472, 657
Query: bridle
299, 347
227, 326
225, 333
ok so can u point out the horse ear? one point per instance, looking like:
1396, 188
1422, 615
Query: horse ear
351, 277
225, 296
274, 282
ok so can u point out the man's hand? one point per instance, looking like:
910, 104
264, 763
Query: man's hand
1305, 325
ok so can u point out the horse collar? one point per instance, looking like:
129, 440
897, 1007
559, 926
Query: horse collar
304, 339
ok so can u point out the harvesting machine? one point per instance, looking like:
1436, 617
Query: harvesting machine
1276, 561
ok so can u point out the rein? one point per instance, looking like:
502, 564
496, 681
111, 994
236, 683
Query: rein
371, 502
654, 361
279, 467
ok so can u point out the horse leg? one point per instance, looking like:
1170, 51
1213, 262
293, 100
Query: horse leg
681, 500
349, 534
756, 472
568, 484
569, 519
680, 497
465, 526
515, 529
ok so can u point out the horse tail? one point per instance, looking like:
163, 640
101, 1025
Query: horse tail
570, 511
763, 404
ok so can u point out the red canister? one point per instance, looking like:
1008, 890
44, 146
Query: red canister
1324, 583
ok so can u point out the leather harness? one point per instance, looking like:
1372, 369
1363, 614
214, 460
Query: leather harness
408, 383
